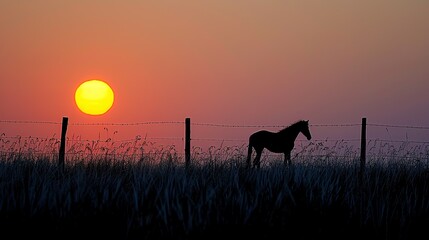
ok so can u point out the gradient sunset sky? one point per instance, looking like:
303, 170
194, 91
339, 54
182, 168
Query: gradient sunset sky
243, 62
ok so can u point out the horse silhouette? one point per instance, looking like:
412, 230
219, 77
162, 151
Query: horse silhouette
282, 141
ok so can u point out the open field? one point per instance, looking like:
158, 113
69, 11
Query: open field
154, 195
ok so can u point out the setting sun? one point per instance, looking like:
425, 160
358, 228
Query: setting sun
94, 97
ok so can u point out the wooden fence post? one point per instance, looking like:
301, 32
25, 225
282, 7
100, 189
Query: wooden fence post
63, 142
363, 147
187, 142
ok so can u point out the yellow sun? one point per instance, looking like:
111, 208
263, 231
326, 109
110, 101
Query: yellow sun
94, 97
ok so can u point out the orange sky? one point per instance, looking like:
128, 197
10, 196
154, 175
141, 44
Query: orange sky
241, 62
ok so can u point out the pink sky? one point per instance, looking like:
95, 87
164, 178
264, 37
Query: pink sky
229, 62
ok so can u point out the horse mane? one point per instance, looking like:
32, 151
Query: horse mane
292, 126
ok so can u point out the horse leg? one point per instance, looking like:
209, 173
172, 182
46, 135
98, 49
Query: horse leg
249, 156
257, 161
287, 160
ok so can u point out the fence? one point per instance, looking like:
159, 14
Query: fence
187, 133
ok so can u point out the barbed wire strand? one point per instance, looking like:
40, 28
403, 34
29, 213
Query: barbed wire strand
397, 126
203, 139
209, 124
28, 122
126, 124
270, 126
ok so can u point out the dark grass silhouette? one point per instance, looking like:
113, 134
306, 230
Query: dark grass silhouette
138, 200
281, 142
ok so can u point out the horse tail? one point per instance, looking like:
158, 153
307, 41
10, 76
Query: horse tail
249, 154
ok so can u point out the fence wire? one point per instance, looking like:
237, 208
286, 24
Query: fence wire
270, 126
216, 125
28, 122
210, 124
181, 138
398, 126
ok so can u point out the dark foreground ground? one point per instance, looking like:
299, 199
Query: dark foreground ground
304, 224
125, 201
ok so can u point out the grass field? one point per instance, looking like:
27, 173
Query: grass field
215, 197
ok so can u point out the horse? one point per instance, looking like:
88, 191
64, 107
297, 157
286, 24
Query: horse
280, 142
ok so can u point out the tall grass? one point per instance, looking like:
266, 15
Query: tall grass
135, 198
